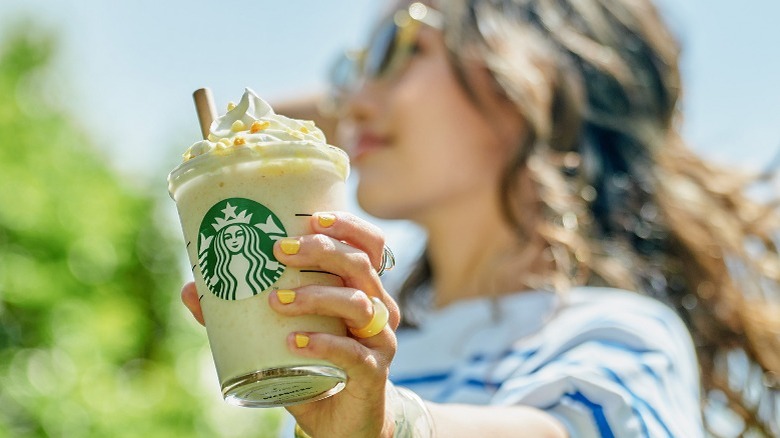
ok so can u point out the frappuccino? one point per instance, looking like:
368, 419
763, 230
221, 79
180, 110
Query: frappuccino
257, 178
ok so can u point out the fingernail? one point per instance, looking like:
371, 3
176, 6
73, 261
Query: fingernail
290, 246
326, 219
285, 296
301, 341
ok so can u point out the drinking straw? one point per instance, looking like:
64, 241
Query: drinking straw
204, 106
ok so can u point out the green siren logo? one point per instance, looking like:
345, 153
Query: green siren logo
235, 249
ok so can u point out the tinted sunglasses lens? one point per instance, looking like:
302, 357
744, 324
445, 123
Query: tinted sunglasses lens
381, 50
344, 72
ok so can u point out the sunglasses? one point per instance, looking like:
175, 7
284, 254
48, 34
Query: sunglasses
389, 50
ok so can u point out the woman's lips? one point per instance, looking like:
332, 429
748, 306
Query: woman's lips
366, 143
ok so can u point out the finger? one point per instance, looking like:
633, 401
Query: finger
353, 306
361, 362
324, 253
366, 368
354, 231
189, 296
321, 252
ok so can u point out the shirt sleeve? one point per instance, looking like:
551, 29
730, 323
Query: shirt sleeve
620, 368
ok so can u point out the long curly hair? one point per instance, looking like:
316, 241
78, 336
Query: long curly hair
619, 199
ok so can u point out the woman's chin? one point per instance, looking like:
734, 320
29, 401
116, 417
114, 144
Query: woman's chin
381, 206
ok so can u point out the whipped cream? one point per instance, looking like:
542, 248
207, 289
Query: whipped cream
252, 124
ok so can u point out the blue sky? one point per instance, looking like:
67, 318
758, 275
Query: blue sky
128, 68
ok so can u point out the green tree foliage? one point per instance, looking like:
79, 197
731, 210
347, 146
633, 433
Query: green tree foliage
93, 339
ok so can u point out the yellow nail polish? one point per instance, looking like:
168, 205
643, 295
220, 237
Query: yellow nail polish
285, 296
290, 246
326, 219
301, 341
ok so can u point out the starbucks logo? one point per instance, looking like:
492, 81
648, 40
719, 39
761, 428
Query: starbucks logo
235, 248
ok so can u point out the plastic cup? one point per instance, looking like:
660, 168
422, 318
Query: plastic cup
233, 207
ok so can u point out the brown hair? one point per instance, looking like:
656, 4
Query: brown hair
620, 200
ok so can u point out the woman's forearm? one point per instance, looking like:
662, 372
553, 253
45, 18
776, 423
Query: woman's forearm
456, 420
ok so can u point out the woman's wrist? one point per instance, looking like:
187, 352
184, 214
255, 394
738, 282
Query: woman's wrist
408, 413
411, 416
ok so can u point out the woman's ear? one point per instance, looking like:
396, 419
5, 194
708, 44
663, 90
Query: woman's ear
487, 94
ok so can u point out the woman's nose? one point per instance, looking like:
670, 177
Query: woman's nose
363, 102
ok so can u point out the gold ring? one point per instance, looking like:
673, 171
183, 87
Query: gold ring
300, 433
378, 321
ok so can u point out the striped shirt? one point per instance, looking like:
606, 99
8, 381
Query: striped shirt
606, 363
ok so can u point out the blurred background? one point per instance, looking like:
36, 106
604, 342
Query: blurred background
96, 109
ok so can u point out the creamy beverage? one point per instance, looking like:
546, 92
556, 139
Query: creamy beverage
258, 178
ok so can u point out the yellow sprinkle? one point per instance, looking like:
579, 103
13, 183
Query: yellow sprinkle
304, 129
258, 126
230, 106
238, 141
237, 126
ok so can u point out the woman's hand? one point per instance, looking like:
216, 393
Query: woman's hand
351, 248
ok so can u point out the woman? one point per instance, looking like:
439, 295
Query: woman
571, 236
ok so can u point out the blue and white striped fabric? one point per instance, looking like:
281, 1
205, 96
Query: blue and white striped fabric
605, 362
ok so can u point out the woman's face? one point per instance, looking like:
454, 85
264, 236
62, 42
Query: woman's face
418, 141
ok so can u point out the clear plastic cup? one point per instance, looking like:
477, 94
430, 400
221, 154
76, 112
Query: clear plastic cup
233, 206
